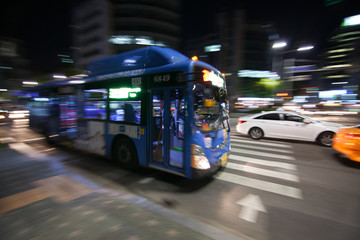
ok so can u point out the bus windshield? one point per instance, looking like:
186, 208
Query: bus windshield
211, 110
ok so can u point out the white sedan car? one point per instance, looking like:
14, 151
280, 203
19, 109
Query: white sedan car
287, 125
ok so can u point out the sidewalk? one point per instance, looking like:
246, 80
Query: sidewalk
40, 199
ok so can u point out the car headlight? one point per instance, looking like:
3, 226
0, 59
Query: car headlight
198, 157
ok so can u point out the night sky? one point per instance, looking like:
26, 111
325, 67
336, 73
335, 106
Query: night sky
44, 25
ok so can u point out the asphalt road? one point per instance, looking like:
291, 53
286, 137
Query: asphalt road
271, 189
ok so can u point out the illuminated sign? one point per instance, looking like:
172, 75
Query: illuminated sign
351, 21
331, 93
258, 74
138, 40
210, 76
41, 99
282, 94
212, 48
123, 92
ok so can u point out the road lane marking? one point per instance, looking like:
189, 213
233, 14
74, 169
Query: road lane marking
26, 150
262, 154
261, 185
61, 188
263, 172
22, 199
263, 162
257, 142
247, 145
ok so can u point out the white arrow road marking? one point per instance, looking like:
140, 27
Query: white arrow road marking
251, 206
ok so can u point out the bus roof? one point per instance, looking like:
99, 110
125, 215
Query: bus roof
142, 58
148, 60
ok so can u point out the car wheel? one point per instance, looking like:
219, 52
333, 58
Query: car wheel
326, 139
256, 133
125, 154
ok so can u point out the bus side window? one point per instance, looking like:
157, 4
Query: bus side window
125, 111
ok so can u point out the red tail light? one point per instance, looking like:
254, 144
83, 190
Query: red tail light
241, 121
352, 136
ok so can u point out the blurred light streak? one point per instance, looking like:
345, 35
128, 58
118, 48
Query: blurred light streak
21, 120
327, 112
30, 83
59, 76
213, 48
338, 76
7, 68
305, 48
341, 50
77, 82
34, 139
48, 150
279, 45
351, 21
340, 83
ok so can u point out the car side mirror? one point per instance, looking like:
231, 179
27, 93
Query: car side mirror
306, 121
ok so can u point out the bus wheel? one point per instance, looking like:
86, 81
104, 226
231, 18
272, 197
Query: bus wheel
125, 154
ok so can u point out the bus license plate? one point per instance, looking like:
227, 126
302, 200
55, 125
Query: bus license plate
223, 160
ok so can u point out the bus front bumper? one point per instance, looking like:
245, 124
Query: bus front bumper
203, 173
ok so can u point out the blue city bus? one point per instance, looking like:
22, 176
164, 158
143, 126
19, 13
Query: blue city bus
151, 107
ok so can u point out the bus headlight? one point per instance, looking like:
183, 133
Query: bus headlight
198, 158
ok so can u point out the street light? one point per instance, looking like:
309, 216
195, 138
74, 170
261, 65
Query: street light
280, 44
280, 64
305, 48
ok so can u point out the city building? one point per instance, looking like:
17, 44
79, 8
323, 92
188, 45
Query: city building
341, 67
106, 27
237, 45
13, 65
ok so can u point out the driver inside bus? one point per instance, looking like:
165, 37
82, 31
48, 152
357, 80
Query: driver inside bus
129, 113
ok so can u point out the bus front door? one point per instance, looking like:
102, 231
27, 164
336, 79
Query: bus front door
167, 130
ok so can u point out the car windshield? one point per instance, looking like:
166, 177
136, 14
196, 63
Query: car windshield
211, 109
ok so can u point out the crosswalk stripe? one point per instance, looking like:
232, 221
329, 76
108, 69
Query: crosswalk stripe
263, 172
259, 184
262, 154
247, 145
240, 140
263, 162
